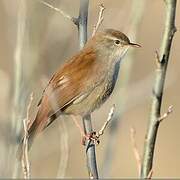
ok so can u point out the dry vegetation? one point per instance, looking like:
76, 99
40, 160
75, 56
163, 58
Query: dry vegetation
36, 39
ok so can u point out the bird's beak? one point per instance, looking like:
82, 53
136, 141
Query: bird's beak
134, 45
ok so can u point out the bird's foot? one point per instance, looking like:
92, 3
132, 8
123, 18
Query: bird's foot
91, 137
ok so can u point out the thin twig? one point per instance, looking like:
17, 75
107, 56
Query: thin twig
165, 115
101, 131
155, 114
96, 135
100, 19
135, 149
25, 158
64, 14
91, 156
110, 115
150, 174
158, 61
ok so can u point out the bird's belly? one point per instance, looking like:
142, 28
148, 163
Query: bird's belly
97, 97
93, 101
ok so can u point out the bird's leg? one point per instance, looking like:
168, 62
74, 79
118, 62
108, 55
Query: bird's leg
78, 125
93, 137
85, 136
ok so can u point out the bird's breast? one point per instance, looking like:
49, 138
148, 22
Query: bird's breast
110, 82
93, 100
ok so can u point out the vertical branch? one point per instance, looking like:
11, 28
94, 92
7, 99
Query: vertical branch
90, 146
82, 22
25, 158
90, 149
155, 114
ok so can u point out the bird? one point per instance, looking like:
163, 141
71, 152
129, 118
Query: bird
84, 82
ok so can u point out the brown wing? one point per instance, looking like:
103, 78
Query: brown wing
71, 81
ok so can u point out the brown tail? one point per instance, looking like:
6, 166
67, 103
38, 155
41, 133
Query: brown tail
34, 129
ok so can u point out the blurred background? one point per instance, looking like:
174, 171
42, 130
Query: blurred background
30, 52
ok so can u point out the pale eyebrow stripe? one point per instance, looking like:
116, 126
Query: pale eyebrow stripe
111, 37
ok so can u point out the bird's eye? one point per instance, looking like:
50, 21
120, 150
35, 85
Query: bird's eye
117, 42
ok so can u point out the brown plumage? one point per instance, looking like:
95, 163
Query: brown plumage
84, 82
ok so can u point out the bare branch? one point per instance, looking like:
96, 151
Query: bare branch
25, 158
87, 123
28, 109
158, 61
150, 174
165, 115
82, 22
135, 149
110, 115
90, 149
100, 19
64, 14
94, 136
155, 114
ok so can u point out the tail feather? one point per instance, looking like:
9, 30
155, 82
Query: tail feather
33, 130
31, 135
